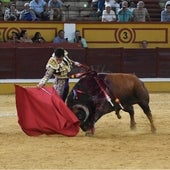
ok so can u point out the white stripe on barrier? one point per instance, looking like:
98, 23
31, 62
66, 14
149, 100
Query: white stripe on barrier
74, 80
30, 80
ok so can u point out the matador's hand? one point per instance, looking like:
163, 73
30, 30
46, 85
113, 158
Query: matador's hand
40, 85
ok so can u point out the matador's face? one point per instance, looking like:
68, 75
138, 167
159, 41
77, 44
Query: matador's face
59, 60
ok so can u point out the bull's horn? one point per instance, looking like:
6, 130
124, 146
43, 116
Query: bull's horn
84, 108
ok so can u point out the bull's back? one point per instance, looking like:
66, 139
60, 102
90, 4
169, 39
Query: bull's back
126, 86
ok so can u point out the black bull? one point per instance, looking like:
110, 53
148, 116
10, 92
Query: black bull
89, 98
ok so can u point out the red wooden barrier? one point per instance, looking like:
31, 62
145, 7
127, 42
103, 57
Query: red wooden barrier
7, 63
142, 62
28, 60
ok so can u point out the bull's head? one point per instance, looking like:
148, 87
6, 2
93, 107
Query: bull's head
83, 107
84, 115
81, 100
87, 99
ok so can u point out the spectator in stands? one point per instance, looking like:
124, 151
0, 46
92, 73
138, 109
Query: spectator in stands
60, 37
140, 14
11, 13
94, 4
14, 37
114, 5
144, 44
124, 14
100, 6
24, 38
27, 14
37, 38
1, 11
79, 39
165, 14
59, 65
55, 9
108, 14
132, 6
93, 15
39, 7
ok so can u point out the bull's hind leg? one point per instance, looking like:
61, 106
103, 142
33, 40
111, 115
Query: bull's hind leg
147, 111
131, 112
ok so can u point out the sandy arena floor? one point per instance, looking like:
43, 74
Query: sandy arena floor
114, 145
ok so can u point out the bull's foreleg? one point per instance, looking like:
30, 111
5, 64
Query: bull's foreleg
90, 132
132, 120
91, 127
118, 114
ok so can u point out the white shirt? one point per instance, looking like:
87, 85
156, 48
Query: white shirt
108, 17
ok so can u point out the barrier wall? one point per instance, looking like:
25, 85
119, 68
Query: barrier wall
27, 61
98, 34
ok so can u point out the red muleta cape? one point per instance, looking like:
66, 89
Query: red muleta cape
42, 111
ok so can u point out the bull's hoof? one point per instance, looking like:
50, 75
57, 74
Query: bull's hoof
153, 129
118, 116
90, 132
133, 126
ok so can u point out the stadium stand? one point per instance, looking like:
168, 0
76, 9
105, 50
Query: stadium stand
79, 10
74, 10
